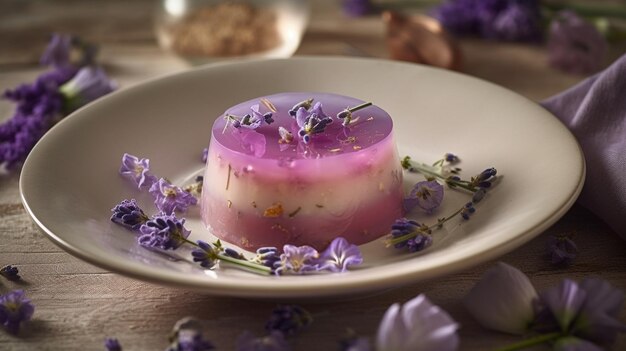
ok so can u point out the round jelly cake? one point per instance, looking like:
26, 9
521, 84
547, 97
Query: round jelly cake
301, 169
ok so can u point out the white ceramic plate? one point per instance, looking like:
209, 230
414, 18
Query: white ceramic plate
70, 182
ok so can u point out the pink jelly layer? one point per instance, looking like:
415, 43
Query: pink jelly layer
346, 182
250, 230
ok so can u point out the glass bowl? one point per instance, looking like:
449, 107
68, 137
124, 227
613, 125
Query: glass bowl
203, 31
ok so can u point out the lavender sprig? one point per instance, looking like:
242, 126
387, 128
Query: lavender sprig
483, 180
346, 115
208, 256
10, 273
415, 236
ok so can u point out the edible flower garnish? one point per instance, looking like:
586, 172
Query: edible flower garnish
306, 104
426, 195
164, 232
250, 121
310, 122
137, 170
169, 198
15, 310
285, 136
339, 256
346, 115
128, 214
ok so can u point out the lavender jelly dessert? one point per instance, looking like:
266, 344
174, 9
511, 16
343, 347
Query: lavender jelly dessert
265, 188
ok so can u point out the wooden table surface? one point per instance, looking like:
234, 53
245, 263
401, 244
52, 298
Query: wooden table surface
78, 305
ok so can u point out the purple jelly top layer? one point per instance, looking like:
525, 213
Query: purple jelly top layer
363, 142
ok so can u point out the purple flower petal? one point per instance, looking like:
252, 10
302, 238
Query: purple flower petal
169, 198
297, 260
301, 117
15, 310
339, 256
89, 84
419, 325
564, 302
426, 195
502, 300
137, 170
58, 51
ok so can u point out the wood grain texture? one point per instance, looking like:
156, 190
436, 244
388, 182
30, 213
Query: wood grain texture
78, 305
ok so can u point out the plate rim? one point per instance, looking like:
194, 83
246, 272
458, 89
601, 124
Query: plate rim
295, 289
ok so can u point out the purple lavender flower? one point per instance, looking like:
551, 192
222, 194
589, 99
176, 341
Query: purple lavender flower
128, 214
520, 21
297, 260
205, 254
10, 272
164, 232
426, 195
275, 341
112, 344
510, 20
339, 255
205, 154
502, 300
468, 210
575, 46
288, 319
137, 170
306, 104
89, 84
402, 227
419, 243
418, 325
15, 309
479, 195
561, 250
356, 8
589, 310
265, 117
58, 51
267, 256
310, 124
169, 198
39, 105
451, 158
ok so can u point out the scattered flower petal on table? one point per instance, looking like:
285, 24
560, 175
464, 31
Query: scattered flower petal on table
10, 273
561, 250
112, 344
418, 325
89, 84
15, 310
356, 8
502, 300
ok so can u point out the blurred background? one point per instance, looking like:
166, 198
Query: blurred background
501, 41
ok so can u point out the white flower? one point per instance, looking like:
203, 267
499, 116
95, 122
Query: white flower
502, 300
417, 326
